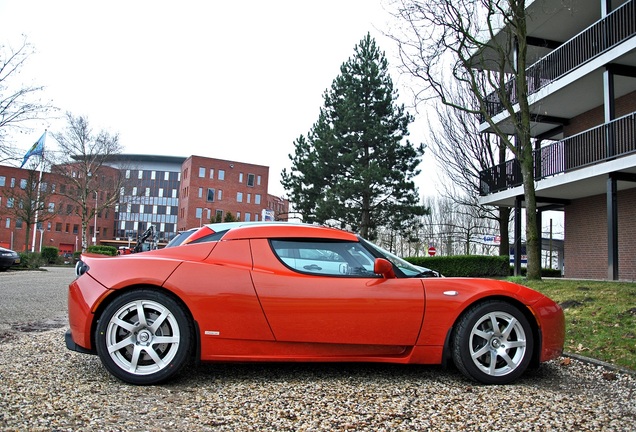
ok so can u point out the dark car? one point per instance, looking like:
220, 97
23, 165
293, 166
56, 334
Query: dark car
8, 258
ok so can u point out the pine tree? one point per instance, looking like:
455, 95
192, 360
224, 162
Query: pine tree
355, 165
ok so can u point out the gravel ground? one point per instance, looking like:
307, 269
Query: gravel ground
44, 386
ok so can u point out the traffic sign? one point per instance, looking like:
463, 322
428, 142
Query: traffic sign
432, 251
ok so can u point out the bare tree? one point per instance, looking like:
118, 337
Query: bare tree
462, 152
480, 44
456, 229
19, 103
91, 184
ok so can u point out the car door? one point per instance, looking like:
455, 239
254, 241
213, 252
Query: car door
326, 292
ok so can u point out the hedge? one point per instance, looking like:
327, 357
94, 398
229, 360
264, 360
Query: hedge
466, 265
104, 250
474, 266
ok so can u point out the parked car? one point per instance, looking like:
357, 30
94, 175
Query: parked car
294, 292
8, 258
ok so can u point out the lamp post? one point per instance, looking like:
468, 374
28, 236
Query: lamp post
201, 217
95, 227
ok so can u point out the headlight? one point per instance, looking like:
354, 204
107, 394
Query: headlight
80, 268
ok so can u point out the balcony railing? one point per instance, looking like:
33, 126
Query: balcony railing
600, 144
616, 27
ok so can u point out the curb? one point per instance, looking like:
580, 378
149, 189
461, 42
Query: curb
600, 363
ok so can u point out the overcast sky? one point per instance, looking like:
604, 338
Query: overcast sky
237, 80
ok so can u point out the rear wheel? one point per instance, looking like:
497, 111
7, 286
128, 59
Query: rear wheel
144, 337
493, 343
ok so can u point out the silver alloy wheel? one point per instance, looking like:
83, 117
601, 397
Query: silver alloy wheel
497, 343
142, 337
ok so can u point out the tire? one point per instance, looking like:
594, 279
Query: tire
149, 350
493, 343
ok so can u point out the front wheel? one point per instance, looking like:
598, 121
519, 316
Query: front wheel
493, 343
144, 337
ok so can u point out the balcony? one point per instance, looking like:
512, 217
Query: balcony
600, 144
616, 27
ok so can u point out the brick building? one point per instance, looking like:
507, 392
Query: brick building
58, 222
171, 193
582, 93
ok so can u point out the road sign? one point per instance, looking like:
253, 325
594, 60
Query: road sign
432, 251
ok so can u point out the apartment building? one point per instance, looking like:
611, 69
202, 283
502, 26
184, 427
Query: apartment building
582, 92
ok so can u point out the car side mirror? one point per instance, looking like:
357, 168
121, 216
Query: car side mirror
383, 267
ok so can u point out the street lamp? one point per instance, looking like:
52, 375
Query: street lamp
95, 227
201, 217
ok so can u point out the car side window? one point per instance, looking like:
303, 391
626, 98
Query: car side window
325, 258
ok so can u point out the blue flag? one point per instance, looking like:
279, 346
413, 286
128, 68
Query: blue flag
37, 149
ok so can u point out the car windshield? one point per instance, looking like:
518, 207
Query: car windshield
408, 269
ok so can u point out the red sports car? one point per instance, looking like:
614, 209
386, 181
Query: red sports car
294, 292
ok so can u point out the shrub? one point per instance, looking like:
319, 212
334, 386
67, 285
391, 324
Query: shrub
50, 254
104, 250
31, 260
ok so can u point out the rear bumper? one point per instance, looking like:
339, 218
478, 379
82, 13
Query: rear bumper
70, 344
84, 296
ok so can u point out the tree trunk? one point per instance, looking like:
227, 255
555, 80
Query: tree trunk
533, 239
504, 232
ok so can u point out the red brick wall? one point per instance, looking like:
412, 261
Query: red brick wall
595, 117
586, 237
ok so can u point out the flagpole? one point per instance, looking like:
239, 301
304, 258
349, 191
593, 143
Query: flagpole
37, 199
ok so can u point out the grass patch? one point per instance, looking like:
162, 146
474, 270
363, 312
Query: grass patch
600, 317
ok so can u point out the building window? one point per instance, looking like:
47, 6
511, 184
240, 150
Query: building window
211, 173
134, 191
160, 192
219, 195
166, 176
18, 223
239, 197
210, 195
249, 198
219, 215
153, 175
12, 182
68, 228
10, 202
147, 192
7, 223
75, 228
238, 216
258, 180
127, 174
221, 174
248, 217
140, 174
200, 192
201, 172
51, 207
23, 184
58, 226
257, 199
198, 213
3, 180
240, 177
174, 193
48, 226
121, 191
250, 180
